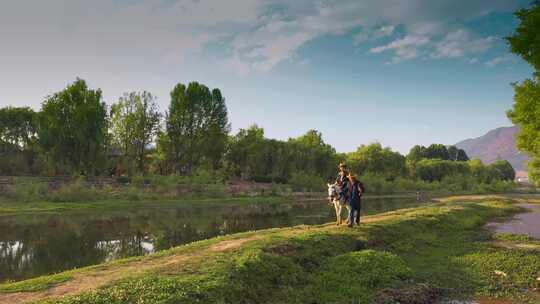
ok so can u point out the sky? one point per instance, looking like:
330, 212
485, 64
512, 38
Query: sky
391, 71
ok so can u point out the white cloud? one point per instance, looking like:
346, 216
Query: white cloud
499, 60
385, 31
405, 48
460, 43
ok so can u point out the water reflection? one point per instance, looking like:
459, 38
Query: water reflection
37, 244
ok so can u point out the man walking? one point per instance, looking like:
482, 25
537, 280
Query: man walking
355, 192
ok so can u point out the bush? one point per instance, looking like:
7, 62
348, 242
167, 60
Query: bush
26, 191
301, 181
76, 191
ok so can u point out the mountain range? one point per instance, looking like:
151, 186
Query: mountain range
496, 144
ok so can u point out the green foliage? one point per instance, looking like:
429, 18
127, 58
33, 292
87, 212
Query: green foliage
368, 270
18, 141
436, 151
525, 42
436, 169
375, 159
197, 126
73, 127
525, 113
26, 190
135, 122
301, 181
18, 127
253, 157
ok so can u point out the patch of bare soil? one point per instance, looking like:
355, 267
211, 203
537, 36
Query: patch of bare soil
414, 294
232, 244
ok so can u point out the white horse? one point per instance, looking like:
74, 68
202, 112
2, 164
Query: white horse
333, 197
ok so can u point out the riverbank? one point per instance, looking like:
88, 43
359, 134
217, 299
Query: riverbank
11, 208
427, 253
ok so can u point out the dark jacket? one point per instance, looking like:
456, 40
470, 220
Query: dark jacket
355, 192
342, 182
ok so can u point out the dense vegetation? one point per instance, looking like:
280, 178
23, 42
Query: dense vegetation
525, 42
77, 134
420, 255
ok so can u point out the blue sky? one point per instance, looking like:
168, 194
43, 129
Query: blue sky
397, 72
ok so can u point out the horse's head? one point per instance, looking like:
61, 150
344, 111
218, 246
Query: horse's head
332, 191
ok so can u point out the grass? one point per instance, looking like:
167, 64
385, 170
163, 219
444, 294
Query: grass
10, 208
415, 255
37, 284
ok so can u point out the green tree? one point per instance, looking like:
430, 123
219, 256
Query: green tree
456, 154
437, 151
503, 170
437, 169
375, 159
417, 153
312, 156
246, 152
135, 121
197, 125
73, 127
525, 42
19, 153
18, 127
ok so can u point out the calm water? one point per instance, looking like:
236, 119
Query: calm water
38, 244
523, 223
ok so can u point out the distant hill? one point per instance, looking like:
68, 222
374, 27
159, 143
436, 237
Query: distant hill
496, 144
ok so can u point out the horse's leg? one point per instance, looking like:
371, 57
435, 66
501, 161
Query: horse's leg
348, 214
338, 212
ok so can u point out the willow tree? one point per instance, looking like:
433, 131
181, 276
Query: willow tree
197, 126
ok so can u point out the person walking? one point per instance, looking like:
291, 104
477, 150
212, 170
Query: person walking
355, 192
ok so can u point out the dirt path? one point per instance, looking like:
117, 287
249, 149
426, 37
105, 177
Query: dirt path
93, 279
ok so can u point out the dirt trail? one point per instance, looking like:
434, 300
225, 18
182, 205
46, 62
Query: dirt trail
93, 279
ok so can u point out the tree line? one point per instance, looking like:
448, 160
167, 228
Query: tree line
76, 133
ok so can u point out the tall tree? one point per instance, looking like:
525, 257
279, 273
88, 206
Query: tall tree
135, 122
246, 152
437, 151
417, 153
312, 155
197, 125
73, 127
456, 154
525, 42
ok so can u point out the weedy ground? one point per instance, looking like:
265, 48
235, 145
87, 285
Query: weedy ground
419, 255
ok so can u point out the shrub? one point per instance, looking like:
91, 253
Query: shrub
26, 191
301, 181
